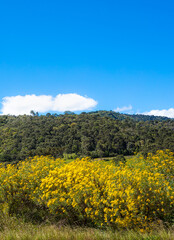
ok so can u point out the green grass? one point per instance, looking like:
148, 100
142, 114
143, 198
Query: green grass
14, 229
110, 158
68, 159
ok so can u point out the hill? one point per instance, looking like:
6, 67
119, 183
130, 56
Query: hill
137, 117
96, 134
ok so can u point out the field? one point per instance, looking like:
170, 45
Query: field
45, 197
18, 230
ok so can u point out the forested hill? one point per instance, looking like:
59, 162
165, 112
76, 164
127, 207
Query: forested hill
96, 134
121, 116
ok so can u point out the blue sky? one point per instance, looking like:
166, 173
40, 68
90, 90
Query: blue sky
120, 54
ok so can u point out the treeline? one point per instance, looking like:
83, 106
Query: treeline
95, 134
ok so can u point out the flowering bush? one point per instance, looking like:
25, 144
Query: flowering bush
130, 195
20, 184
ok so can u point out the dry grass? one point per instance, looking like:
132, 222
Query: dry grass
13, 229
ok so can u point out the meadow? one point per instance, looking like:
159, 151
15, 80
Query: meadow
16, 229
135, 197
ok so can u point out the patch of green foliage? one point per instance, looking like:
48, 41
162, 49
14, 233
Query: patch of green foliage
12, 228
99, 134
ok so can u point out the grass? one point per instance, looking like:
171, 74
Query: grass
14, 229
70, 157
111, 158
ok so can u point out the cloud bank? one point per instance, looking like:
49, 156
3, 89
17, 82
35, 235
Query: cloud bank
19, 105
123, 109
164, 113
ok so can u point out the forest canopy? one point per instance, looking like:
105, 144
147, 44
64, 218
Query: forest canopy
95, 134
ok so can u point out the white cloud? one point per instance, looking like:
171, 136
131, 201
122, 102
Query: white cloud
72, 102
123, 109
164, 113
18, 105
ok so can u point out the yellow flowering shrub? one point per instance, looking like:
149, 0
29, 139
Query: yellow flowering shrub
32, 171
20, 183
104, 194
162, 162
8, 186
78, 189
134, 194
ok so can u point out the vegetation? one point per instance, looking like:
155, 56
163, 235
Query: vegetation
14, 229
137, 194
120, 197
94, 134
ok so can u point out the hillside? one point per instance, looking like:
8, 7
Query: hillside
121, 116
96, 134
